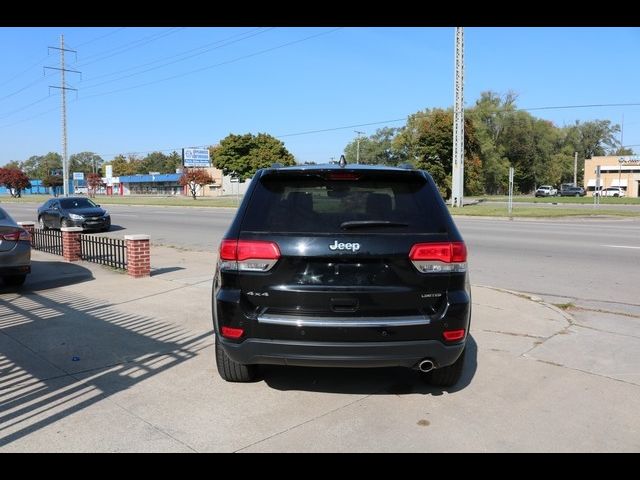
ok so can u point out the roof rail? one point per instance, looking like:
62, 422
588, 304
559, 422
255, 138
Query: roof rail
407, 166
276, 165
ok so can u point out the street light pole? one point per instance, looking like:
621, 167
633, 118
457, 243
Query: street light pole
358, 148
620, 173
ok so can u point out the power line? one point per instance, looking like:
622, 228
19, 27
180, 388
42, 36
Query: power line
172, 56
125, 48
287, 44
173, 61
8, 114
581, 106
100, 37
175, 76
39, 62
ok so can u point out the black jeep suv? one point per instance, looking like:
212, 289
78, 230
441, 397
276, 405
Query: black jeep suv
356, 266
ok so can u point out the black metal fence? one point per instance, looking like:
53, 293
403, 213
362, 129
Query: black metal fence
104, 250
49, 241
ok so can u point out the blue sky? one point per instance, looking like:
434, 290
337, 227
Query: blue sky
138, 92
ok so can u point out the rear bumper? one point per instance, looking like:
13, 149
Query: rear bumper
333, 354
21, 270
16, 261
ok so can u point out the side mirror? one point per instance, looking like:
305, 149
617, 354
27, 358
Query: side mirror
97, 204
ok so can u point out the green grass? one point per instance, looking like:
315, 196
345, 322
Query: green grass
564, 306
139, 200
481, 210
585, 200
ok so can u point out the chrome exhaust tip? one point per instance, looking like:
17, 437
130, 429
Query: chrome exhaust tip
426, 366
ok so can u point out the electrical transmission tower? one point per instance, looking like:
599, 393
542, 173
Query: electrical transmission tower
457, 174
63, 87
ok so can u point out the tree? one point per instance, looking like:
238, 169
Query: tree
194, 178
14, 164
590, 139
243, 155
41, 166
624, 151
123, 166
85, 162
375, 149
159, 162
93, 182
15, 180
53, 181
427, 142
488, 116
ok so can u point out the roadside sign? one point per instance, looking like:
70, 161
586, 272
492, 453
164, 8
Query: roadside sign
196, 157
78, 175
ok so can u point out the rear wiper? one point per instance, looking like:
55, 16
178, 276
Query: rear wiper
371, 223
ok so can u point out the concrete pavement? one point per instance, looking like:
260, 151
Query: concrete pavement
91, 360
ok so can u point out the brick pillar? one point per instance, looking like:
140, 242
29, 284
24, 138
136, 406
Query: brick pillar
138, 256
71, 243
29, 227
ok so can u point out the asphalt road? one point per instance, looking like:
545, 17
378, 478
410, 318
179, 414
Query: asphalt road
574, 260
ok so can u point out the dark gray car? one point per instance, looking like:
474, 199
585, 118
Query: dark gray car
73, 212
15, 251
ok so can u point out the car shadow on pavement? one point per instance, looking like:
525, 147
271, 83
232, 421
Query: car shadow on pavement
62, 352
366, 381
45, 275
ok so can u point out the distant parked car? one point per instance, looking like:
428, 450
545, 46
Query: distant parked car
572, 192
611, 192
546, 191
15, 251
73, 212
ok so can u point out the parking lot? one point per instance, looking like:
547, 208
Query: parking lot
94, 361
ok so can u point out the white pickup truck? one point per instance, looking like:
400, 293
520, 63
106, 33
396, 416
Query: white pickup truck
546, 191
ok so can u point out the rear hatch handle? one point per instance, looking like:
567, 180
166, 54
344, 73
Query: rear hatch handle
344, 305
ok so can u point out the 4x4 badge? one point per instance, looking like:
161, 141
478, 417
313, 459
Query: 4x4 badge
344, 246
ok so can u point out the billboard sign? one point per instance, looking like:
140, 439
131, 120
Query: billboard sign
108, 171
196, 157
78, 175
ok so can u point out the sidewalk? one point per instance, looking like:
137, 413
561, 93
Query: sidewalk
92, 360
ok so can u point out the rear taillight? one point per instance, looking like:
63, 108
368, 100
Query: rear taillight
453, 335
248, 255
439, 257
230, 332
15, 236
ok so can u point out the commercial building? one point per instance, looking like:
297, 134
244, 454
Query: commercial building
615, 171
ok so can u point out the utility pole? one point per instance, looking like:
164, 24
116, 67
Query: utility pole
575, 169
63, 87
457, 173
358, 148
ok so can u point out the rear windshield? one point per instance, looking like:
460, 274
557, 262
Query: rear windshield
395, 203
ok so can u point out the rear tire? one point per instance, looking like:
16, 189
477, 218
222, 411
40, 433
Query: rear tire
233, 371
42, 225
15, 280
446, 376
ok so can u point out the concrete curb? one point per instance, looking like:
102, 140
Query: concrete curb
568, 317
